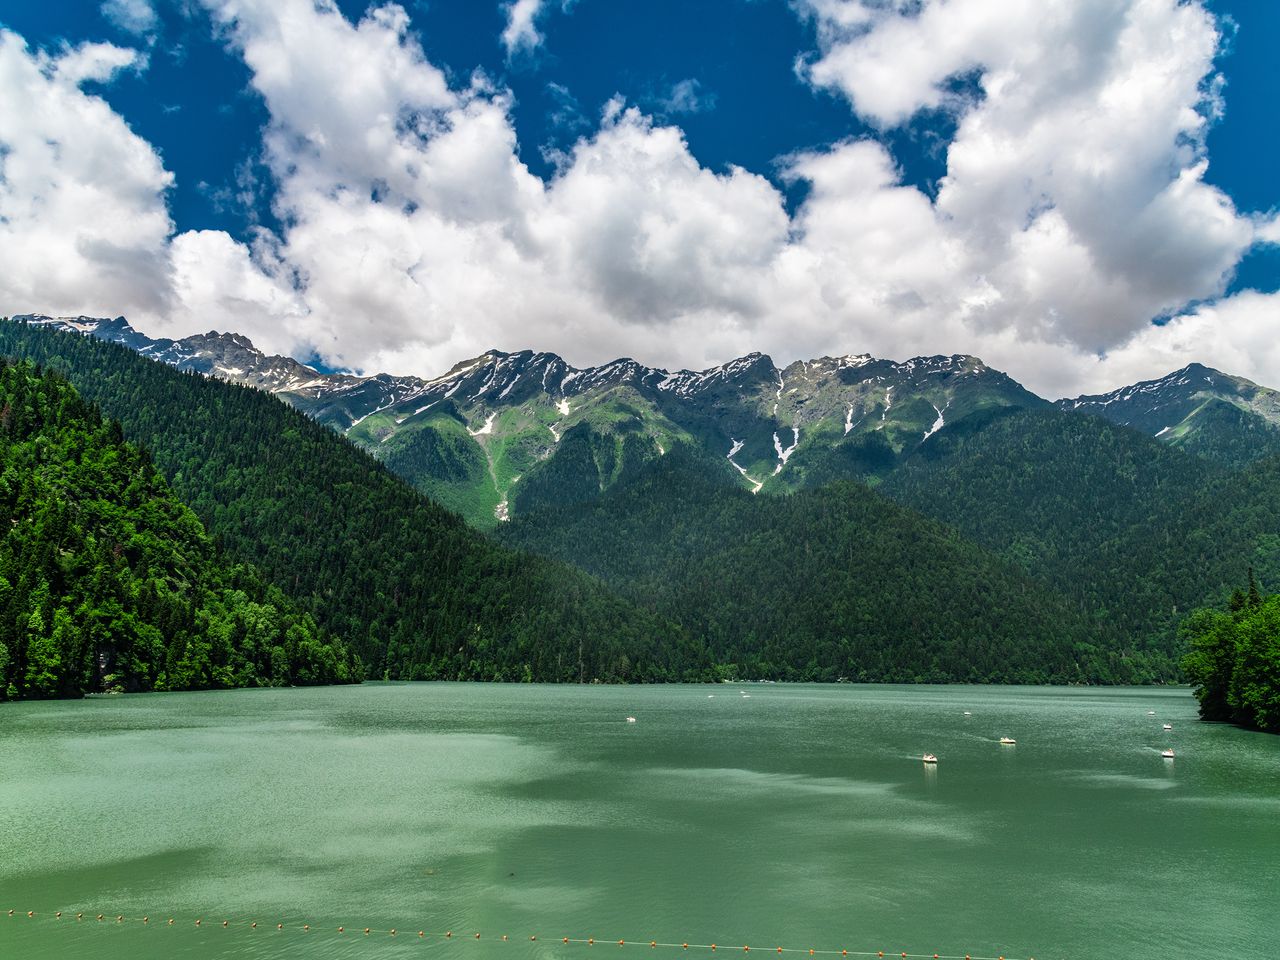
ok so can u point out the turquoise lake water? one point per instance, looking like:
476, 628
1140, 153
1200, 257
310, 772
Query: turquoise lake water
794, 815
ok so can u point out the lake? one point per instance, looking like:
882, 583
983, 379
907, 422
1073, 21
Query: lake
794, 815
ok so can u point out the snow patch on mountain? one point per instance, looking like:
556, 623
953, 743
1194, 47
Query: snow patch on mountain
487, 428
785, 455
937, 424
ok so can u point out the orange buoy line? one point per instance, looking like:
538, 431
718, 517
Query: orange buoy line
448, 936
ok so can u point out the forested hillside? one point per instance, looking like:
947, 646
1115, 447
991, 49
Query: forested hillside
417, 592
823, 584
1134, 532
1234, 659
1058, 546
108, 582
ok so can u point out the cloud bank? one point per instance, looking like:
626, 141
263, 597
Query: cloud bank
1074, 207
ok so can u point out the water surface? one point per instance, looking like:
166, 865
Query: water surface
795, 815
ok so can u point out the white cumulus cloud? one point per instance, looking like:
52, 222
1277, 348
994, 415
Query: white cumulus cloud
1074, 207
521, 31
133, 16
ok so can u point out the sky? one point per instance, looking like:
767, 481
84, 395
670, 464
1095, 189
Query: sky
1081, 192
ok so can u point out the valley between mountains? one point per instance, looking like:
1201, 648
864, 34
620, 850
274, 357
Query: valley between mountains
848, 517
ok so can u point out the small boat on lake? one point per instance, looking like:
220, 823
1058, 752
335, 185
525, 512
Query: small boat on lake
1167, 754
1008, 741
968, 714
1168, 726
929, 758
631, 719
1151, 713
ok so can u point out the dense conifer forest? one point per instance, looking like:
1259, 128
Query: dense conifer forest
109, 583
417, 593
1134, 533
1015, 546
819, 585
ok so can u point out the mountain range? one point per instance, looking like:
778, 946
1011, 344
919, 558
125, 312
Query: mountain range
483, 438
842, 517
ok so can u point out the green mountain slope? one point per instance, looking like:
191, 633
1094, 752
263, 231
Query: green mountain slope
823, 584
491, 422
1133, 531
108, 582
417, 592
1225, 419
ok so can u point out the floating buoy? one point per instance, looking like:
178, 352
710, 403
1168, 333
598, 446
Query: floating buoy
306, 926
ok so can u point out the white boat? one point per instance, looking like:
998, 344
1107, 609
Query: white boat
929, 758
968, 714
1008, 740
631, 719
1168, 726
1151, 713
1167, 754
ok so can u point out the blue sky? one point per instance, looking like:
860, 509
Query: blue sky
723, 75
